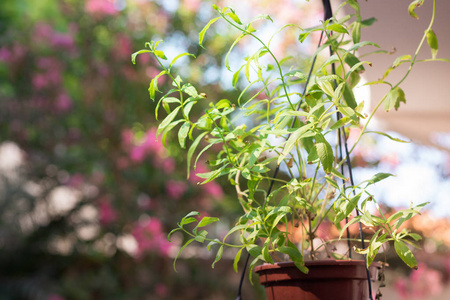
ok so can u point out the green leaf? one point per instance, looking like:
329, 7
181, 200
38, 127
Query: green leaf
293, 139
235, 18
190, 90
341, 122
201, 236
432, 42
325, 152
349, 97
378, 177
212, 243
182, 134
133, 56
175, 230
154, 85
186, 221
201, 35
160, 54
337, 27
413, 6
206, 221
179, 56
356, 46
295, 256
266, 255
368, 22
356, 32
236, 260
192, 150
179, 252
236, 76
218, 256
167, 120
388, 136
393, 99
227, 64
254, 250
405, 254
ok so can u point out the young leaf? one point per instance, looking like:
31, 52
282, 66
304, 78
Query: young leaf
179, 252
201, 35
432, 42
356, 32
378, 177
235, 18
413, 6
393, 99
192, 150
405, 254
206, 221
167, 120
180, 56
236, 260
337, 27
218, 256
133, 56
182, 134
160, 54
325, 152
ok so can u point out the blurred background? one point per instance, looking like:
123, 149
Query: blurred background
87, 194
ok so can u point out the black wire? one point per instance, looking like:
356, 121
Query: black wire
329, 13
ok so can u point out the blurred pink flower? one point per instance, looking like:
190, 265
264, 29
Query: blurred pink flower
107, 214
137, 153
423, 282
176, 189
100, 7
127, 138
213, 189
63, 103
150, 237
5, 54
168, 165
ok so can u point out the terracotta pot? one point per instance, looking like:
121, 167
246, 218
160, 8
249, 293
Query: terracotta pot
327, 279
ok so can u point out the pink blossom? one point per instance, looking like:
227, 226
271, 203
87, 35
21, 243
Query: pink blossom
150, 237
168, 165
62, 40
107, 214
137, 153
39, 81
100, 7
127, 137
63, 103
423, 282
176, 189
5, 54
213, 189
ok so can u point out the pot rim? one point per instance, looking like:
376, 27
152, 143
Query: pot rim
312, 263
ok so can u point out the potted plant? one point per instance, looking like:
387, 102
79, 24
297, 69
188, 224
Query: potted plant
293, 120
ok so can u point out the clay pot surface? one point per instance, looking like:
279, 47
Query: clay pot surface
326, 280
